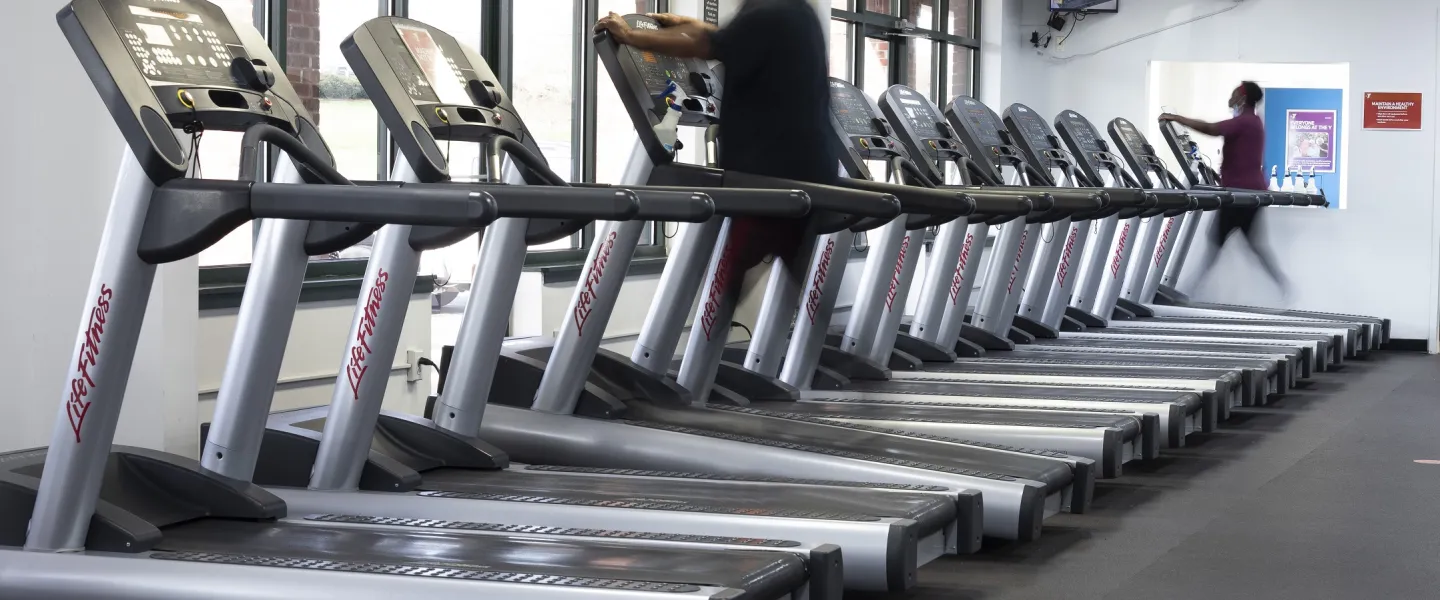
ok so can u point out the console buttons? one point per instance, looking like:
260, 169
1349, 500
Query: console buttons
864, 143
186, 99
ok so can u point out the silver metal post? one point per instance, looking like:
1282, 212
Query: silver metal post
962, 283
903, 276
461, 407
97, 373
1179, 250
675, 294
372, 340
936, 288
1112, 274
1024, 261
711, 327
1055, 239
766, 351
590, 308
1065, 274
888, 249
1005, 271
262, 329
1161, 257
1094, 263
822, 289
1150, 231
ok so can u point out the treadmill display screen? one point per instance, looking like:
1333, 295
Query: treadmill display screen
852, 109
658, 70
442, 75
178, 44
982, 122
1086, 138
1131, 137
1031, 127
918, 113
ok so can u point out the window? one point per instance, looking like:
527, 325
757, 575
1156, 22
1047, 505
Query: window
542, 81
327, 86
614, 133
924, 44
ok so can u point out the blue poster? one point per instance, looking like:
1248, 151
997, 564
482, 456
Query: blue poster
1303, 129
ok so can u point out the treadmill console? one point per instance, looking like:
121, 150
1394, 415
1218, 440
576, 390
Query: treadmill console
160, 65
1140, 155
1187, 154
858, 121
984, 136
642, 77
428, 86
921, 130
1091, 151
1038, 142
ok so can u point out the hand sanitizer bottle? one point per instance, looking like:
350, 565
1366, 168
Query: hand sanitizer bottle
1312, 186
1274, 178
1289, 185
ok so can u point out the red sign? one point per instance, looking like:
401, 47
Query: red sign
1392, 110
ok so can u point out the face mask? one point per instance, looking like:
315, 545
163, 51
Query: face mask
1235, 111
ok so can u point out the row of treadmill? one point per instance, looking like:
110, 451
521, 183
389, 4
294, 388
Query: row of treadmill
817, 457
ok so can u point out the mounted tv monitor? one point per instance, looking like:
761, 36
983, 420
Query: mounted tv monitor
1089, 6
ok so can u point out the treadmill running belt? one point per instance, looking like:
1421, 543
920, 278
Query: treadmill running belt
797, 502
958, 414
767, 574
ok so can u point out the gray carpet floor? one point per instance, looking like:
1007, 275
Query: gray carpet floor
1316, 496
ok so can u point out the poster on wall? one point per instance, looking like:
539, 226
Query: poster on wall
1386, 110
1305, 138
1310, 140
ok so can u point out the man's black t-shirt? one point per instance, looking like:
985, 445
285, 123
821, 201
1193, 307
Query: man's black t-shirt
775, 116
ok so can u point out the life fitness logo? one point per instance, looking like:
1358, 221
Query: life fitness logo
1164, 241
82, 383
720, 282
592, 279
1065, 258
958, 281
1119, 251
895, 276
1015, 270
822, 271
360, 351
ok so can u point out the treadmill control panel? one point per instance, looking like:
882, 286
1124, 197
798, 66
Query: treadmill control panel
1088, 146
642, 78
984, 135
427, 86
160, 65
1037, 141
922, 130
1138, 152
858, 122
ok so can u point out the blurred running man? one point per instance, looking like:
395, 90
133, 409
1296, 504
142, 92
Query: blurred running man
1242, 166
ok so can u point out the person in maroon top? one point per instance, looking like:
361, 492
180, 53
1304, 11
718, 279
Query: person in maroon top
1242, 166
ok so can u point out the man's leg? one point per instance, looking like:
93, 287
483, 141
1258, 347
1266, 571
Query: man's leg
1219, 231
1262, 251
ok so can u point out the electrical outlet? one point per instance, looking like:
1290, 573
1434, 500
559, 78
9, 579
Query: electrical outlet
415, 372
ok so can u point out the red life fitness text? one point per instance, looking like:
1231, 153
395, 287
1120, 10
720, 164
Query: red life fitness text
360, 350
822, 270
83, 383
592, 279
1015, 270
895, 276
1065, 258
1164, 241
1119, 251
959, 279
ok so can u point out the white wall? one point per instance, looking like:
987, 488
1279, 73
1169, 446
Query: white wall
58, 166
312, 358
1378, 256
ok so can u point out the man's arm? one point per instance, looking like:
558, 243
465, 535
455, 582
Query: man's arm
1204, 127
686, 38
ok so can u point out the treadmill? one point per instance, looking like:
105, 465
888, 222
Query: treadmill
840, 377
350, 458
1158, 238
1108, 438
1170, 302
85, 518
628, 414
